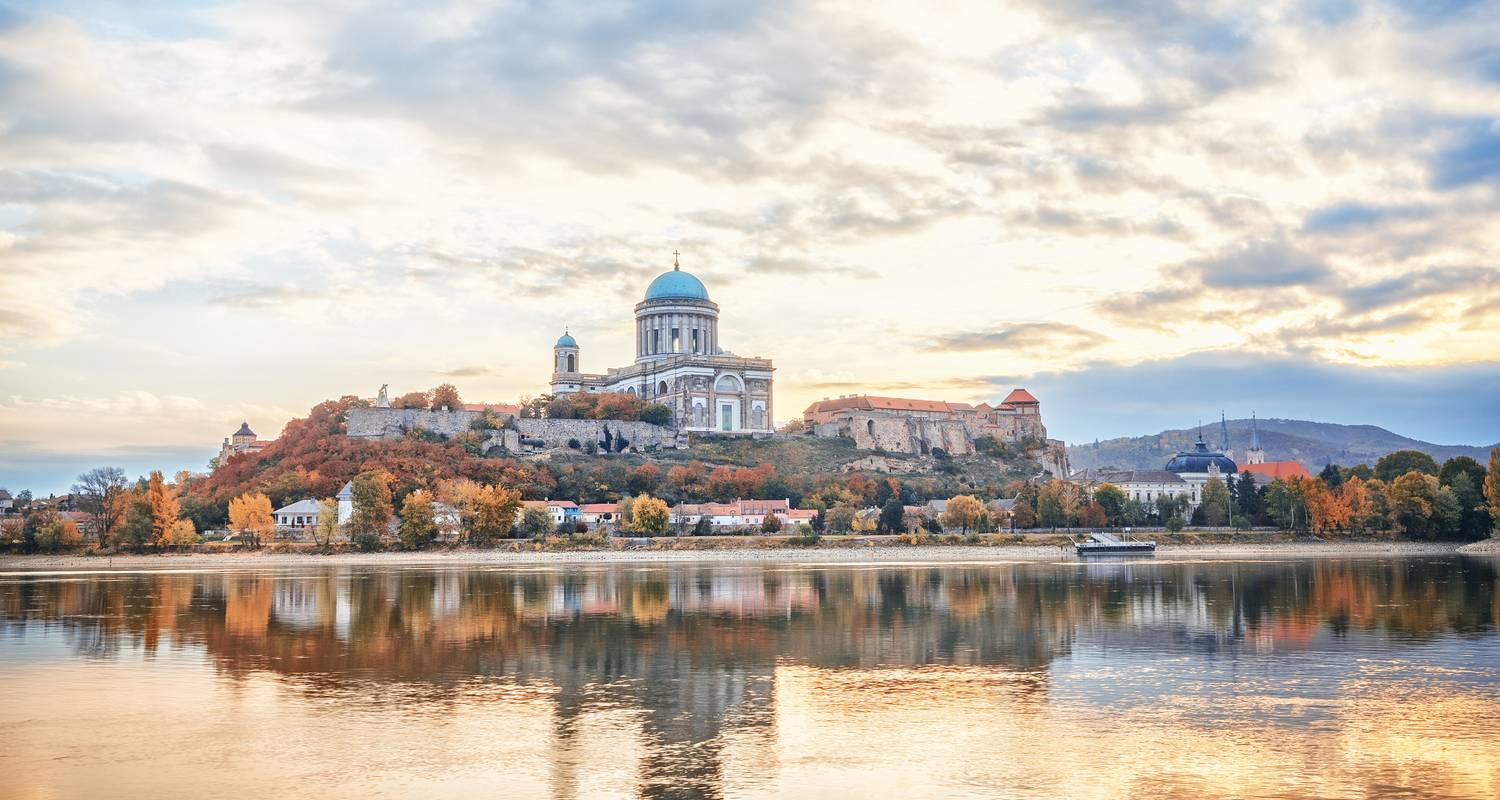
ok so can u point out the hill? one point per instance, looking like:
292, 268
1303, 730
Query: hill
1314, 444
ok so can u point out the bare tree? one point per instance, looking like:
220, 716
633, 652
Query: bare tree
98, 493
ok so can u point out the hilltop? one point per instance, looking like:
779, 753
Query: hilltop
1314, 444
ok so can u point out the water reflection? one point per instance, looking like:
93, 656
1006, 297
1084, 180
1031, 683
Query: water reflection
1217, 679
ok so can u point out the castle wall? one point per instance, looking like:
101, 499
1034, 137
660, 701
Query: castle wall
555, 433
902, 434
395, 422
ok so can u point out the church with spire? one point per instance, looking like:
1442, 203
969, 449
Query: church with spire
679, 362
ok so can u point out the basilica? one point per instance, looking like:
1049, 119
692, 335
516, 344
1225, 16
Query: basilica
679, 362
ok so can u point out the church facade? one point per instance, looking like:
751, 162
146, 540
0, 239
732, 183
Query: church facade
679, 363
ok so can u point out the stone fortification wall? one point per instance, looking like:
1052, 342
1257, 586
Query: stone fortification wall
902, 434
530, 435
555, 433
392, 423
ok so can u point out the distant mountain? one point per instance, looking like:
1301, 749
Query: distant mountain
1312, 443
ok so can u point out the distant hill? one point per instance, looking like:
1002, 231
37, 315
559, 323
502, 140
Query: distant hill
1312, 443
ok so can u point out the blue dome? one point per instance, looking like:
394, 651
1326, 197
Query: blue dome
1199, 460
676, 285
566, 340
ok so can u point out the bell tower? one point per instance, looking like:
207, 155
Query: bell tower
565, 354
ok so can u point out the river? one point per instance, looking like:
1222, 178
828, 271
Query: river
1311, 677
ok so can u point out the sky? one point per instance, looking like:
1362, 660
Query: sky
1144, 212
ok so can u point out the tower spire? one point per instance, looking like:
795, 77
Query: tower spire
1223, 433
675, 254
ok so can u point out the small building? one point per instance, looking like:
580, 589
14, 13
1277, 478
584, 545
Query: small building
1264, 472
298, 515
7, 503
560, 510
243, 440
595, 514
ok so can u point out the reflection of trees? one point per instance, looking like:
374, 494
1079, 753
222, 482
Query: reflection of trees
694, 646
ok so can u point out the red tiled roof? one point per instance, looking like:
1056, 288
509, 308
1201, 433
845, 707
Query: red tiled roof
1277, 470
1019, 396
868, 402
599, 508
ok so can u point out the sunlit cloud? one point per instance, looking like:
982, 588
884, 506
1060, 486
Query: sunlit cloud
271, 203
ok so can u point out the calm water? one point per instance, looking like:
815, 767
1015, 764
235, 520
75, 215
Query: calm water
1310, 678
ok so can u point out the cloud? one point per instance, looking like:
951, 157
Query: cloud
1447, 405
1349, 216
1472, 158
468, 372
1054, 338
1420, 284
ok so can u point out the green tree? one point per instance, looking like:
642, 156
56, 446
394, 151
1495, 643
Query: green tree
1394, 465
1112, 499
840, 519
1412, 501
657, 414
418, 521
536, 522
1331, 476
1286, 506
371, 494
135, 529
891, 515
1466, 477
1215, 503
1247, 496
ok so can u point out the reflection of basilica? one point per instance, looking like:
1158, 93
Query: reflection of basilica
710, 674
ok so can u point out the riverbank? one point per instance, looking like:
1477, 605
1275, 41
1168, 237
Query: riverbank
889, 554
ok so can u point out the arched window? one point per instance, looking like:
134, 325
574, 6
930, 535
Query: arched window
727, 383
630, 389
661, 388
572, 363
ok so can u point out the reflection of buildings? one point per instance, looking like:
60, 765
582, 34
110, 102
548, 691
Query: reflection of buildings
693, 658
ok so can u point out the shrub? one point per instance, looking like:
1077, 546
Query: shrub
657, 414
1239, 523
1174, 524
574, 444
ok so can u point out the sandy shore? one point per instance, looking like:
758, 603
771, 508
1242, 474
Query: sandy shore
844, 555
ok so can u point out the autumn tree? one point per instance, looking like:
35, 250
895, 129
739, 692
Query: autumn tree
1057, 503
251, 513
770, 524
649, 515
446, 396
1492, 491
840, 519
643, 479
962, 512
165, 509
327, 527
421, 400
1215, 503
1093, 515
99, 494
371, 495
418, 523
489, 512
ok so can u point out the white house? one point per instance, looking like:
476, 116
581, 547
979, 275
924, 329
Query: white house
301, 514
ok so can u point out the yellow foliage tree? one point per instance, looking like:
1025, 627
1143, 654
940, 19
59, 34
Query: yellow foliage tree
962, 512
184, 533
251, 513
649, 515
1492, 490
165, 509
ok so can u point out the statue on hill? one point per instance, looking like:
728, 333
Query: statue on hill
382, 400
